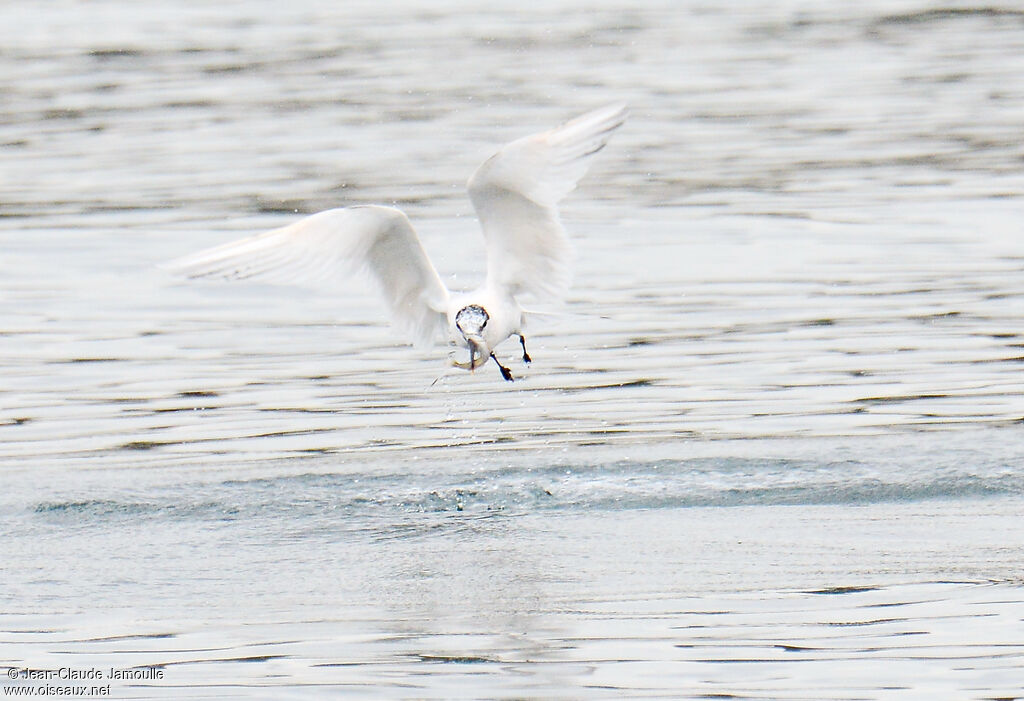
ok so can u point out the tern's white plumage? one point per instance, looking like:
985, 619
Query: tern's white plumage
515, 194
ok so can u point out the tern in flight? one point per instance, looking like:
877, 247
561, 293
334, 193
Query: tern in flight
515, 194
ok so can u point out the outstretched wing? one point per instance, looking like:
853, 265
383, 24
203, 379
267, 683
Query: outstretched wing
516, 193
334, 243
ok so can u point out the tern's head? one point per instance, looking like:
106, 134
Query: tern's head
470, 321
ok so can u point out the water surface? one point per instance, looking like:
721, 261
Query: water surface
770, 448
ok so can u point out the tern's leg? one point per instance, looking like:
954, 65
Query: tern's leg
526, 356
504, 370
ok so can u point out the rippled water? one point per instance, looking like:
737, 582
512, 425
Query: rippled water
771, 448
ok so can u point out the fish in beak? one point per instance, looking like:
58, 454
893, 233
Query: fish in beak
470, 321
478, 353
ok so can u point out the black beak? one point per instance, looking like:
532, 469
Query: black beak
477, 349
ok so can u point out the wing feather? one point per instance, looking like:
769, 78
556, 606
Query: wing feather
516, 193
331, 244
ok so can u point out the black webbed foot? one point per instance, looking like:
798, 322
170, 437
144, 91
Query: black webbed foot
526, 356
505, 372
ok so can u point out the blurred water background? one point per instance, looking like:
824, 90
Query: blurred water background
773, 449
